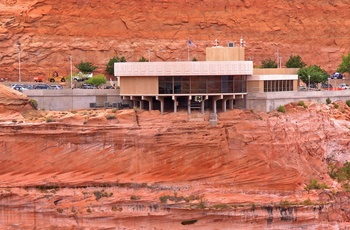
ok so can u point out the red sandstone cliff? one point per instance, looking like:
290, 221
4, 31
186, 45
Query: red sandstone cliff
145, 170
94, 31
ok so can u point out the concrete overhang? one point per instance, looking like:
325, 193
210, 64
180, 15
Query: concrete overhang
272, 77
193, 68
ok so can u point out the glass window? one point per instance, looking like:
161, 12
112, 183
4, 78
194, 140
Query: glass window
165, 85
181, 85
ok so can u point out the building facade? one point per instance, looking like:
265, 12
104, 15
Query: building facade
222, 81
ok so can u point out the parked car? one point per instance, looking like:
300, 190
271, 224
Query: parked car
13, 86
344, 86
56, 87
326, 86
42, 86
18, 88
88, 86
337, 75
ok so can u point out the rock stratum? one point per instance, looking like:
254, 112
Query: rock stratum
95, 31
135, 169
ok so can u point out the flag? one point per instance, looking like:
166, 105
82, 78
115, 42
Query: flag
191, 43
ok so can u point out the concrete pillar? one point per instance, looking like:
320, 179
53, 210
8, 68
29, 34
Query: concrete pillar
189, 104
230, 104
202, 106
216, 98
150, 102
161, 99
175, 103
223, 105
137, 101
141, 104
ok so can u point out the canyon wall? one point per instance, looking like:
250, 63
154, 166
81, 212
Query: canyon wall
135, 169
95, 31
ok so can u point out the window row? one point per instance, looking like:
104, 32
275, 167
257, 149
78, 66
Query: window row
278, 85
202, 84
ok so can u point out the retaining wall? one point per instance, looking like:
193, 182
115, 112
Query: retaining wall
270, 101
73, 99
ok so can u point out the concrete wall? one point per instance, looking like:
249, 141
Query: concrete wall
68, 99
275, 71
139, 85
267, 102
224, 53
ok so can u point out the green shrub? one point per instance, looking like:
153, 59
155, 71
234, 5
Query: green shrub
301, 103
336, 105
59, 210
110, 116
133, 197
307, 202
342, 173
313, 184
50, 119
281, 109
285, 203
163, 199
47, 188
33, 103
348, 103
328, 101
100, 194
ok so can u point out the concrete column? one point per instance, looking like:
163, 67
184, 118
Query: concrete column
150, 102
230, 104
161, 99
202, 106
175, 103
223, 105
141, 104
189, 104
216, 98
137, 101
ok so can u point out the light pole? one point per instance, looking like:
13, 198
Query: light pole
19, 61
308, 86
71, 77
149, 55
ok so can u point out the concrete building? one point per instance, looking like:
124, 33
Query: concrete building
222, 81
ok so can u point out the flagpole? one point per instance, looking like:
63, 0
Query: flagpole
188, 50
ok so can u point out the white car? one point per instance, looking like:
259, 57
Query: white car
344, 86
56, 87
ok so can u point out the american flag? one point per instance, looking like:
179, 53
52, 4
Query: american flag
191, 43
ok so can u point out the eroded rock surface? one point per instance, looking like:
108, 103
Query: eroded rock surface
136, 169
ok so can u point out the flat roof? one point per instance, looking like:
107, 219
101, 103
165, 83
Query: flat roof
189, 68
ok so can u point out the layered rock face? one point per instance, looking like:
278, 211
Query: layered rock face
137, 169
92, 31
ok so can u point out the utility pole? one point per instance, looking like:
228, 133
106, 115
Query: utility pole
71, 77
19, 61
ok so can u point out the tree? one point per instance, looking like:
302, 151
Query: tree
344, 66
97, 80
269, 63
295, 62
194, 59
86, 67
143, 59
110, 64
317, 75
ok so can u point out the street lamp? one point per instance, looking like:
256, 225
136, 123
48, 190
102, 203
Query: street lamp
19, 61
308, 88
149, 55
71, 77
